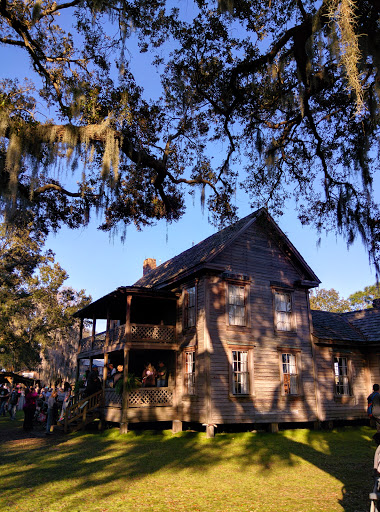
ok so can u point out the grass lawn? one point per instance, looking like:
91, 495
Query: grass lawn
292, 471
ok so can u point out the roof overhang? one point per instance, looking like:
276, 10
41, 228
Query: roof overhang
98, 308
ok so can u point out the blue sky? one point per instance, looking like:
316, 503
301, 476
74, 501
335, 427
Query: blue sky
98, 263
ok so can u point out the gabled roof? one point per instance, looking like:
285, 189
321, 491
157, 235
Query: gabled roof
204, 252
334, 327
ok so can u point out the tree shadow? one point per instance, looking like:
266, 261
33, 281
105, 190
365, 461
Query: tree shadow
93, 464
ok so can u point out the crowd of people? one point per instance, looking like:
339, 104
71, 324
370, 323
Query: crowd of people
41, 405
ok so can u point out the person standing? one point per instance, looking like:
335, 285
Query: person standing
374, 404
13, 402
4, 395
29, 408
52, 405
162, 374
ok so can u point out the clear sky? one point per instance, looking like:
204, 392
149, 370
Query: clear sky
99, 264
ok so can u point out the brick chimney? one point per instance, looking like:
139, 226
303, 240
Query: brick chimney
376, 303
149, 264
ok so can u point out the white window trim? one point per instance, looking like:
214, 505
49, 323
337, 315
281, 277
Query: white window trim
290, 292
245, 286
250, 368
338, 355
296, 353
186, 374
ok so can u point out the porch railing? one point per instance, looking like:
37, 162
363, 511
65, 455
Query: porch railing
139, 332
151, 397
142, 397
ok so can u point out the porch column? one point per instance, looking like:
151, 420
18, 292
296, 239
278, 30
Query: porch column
93, 332
107, 341
124, 411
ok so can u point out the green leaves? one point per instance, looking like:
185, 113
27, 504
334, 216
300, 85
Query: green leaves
35, 308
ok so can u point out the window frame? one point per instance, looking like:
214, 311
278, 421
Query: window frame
348, 375
296, 354
186, 392
250, 372
245, 287
292, 318
186, 307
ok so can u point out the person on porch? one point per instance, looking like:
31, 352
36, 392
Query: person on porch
149, 376
162, 374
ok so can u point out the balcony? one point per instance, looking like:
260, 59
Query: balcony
138, 333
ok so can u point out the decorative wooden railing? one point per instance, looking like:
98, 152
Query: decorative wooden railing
81, 411
112, 399
139, 332
151, 397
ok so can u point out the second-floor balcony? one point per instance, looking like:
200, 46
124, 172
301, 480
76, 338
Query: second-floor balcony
138, 333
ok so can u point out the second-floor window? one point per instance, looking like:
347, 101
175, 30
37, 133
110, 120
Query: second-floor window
236, 305
289, 373
283, 311
240, 372
189, 373
342, 385
189, 307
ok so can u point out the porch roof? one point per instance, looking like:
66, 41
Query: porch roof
116, 299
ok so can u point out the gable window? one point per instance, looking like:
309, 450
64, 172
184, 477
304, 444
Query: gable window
342, 385
283, 311
189, 307
289, 374
240, 373
236, 305
190, 373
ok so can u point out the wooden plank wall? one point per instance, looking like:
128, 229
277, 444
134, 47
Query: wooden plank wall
258, 257
339, 408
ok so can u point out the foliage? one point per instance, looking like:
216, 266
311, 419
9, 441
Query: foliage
362, 299
328, 300
35, 309
286, 92
308, 471
132, 382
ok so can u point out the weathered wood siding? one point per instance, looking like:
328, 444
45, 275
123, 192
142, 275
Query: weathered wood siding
258, 257
335, 407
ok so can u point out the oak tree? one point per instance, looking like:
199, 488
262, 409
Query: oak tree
284, 93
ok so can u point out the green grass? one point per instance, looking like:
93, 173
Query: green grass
292, 471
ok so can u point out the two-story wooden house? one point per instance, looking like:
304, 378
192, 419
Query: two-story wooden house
230, 319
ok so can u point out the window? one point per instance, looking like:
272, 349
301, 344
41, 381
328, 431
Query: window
283, 311
240, 373
342, 386
236, 305
289, 374
189, 307
190, 373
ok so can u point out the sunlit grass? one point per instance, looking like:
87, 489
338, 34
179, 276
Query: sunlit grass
294, 470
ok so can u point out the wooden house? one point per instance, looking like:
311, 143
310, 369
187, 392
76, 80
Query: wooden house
231, 321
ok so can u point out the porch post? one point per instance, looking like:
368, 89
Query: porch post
105, 353
93, 331
124, 411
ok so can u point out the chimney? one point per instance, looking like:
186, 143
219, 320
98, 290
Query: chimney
376, 303
149, 264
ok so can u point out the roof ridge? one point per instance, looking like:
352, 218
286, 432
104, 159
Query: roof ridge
223, 238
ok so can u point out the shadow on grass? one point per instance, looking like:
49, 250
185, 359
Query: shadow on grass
89, 461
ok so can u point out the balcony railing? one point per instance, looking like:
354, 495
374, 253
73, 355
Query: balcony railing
139, 332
